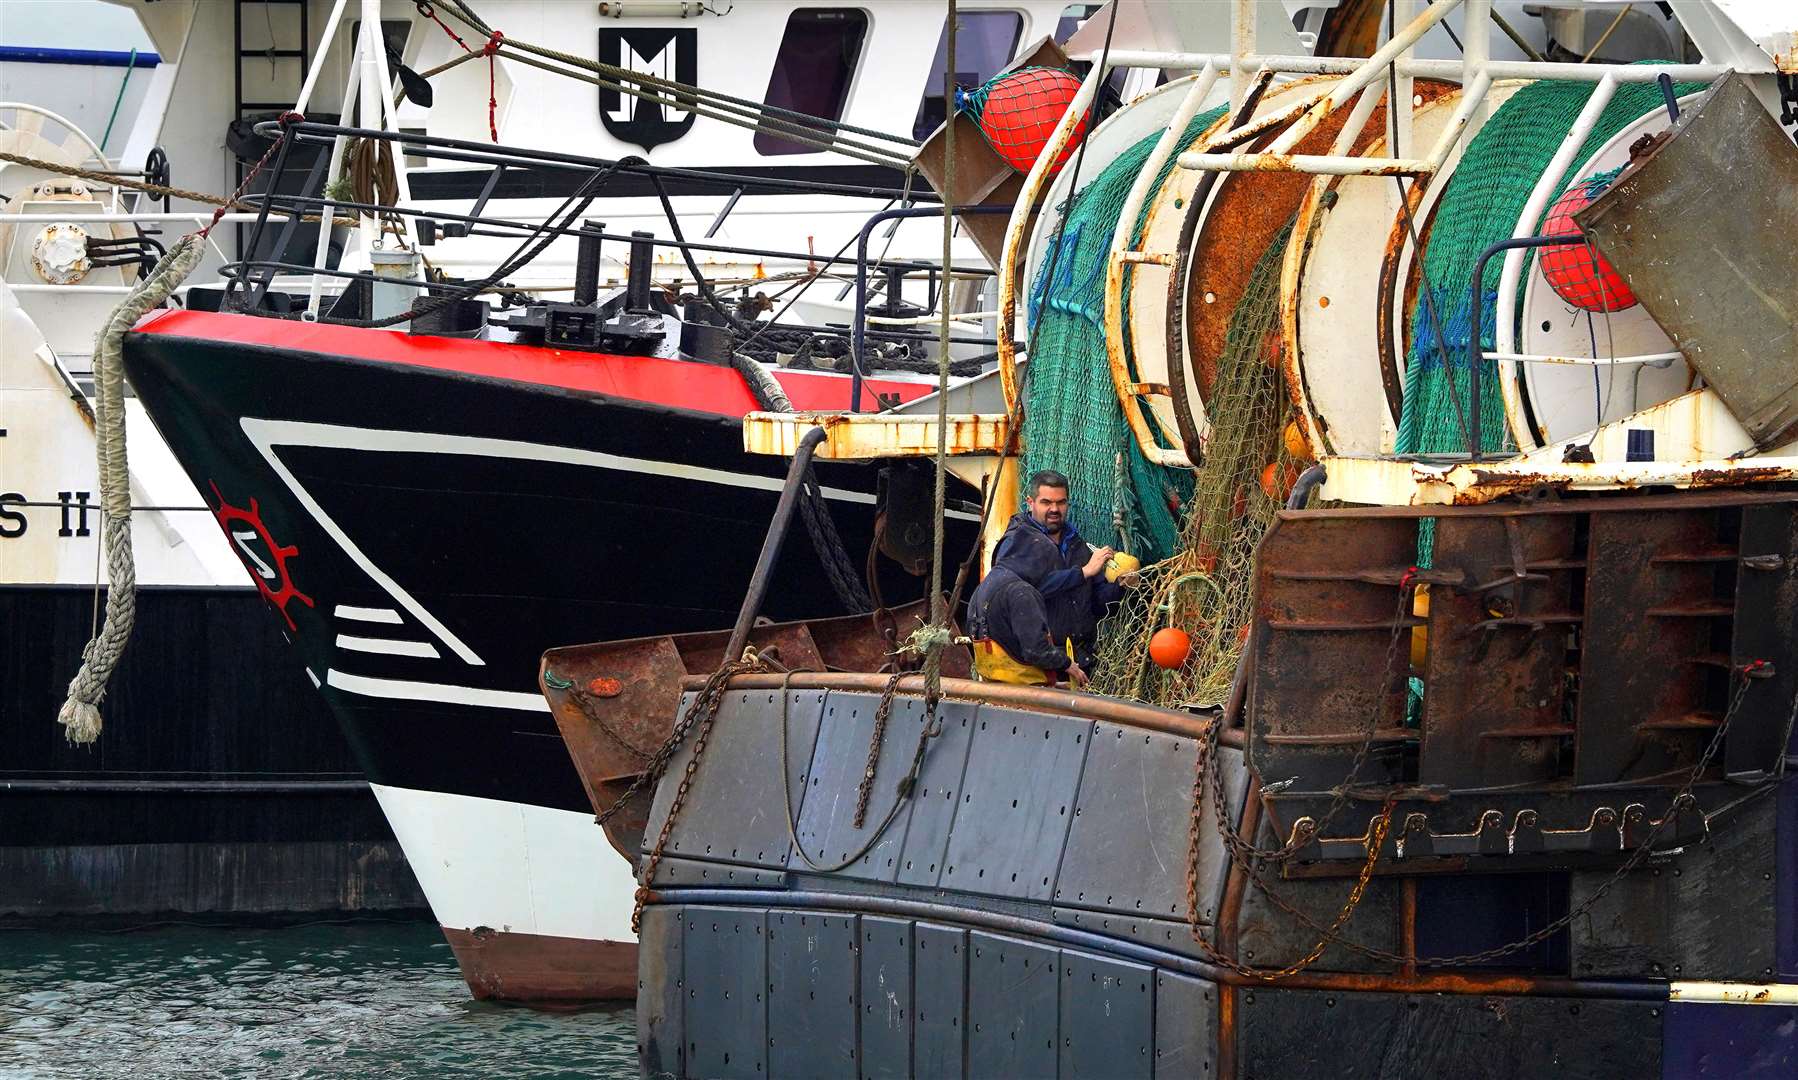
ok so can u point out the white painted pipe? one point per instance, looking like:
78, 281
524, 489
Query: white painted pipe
1449, 70
1505, 328
1598, 361
332, 21
1122, 239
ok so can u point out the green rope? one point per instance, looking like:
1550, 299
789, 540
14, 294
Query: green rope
1479, 208
130, 66
1073, 422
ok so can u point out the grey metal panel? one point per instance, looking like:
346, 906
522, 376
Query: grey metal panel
1107, 1017
939, 793
1127, 846
1706, 914
695, 873
811, 994
826, 816
1185, 1027
1171, 935
939, 994
1346, 1036
726, 1018
661, 1046
740, 772
887, 1006
664, 793
1012, 1014
1017, 799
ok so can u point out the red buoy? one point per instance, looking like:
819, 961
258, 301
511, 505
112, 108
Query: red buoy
1578, 274
1019, 113
1170, 647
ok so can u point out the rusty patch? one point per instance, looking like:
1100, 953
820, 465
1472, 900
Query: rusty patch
615, 702
1248, 210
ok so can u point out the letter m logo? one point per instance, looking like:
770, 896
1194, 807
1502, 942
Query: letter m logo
671, 54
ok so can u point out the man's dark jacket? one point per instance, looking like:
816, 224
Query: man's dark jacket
1053, 565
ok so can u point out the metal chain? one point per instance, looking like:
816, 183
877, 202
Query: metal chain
698, 719
933, 727
588, 703
875, 741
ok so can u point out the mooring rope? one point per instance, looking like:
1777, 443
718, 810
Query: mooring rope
80, 712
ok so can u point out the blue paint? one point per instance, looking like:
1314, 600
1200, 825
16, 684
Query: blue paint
1785, 885
1704, 1040
31, 54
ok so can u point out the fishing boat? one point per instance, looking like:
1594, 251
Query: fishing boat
1474, 761
226, 789
466, 423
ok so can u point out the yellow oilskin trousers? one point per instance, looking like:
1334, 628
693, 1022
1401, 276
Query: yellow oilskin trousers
994, 664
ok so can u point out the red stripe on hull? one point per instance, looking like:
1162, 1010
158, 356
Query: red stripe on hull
537, 969
681, 384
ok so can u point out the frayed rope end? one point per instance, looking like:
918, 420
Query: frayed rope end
80, 721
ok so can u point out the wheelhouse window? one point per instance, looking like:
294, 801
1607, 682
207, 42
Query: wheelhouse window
812, 72
984, 43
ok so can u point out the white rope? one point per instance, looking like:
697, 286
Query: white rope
80, 714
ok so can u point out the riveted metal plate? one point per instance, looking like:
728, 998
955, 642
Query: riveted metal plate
741, 769
1167, 934
1107, 1017
1017, 799
939, 793
726, 1017
1353, 1035
1714, 908
694, 873
1127, 846
887, 1005
1185, 1027
1012, 1014
939, 993
661, 1046
826, 818
811, 994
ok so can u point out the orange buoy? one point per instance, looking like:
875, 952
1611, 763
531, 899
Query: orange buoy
1294, 438
1276, 482
1020, 113
1579, 275
1170, 647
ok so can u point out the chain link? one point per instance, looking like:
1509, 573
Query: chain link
882, 713
698, 720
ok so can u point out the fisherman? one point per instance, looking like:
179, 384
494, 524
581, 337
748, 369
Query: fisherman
1035, 616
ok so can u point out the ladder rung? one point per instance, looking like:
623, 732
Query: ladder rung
264, 54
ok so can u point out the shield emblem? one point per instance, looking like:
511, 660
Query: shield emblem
671, 54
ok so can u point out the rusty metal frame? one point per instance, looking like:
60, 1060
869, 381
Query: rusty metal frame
1603, 808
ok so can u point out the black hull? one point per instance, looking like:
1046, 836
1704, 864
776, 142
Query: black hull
482, 521
218, 787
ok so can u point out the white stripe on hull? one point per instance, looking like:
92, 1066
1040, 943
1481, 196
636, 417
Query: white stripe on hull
407, 690
512, 867
388, 646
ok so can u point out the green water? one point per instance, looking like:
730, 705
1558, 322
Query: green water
379, 1000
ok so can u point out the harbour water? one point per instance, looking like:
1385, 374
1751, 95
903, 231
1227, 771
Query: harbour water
324, 1001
